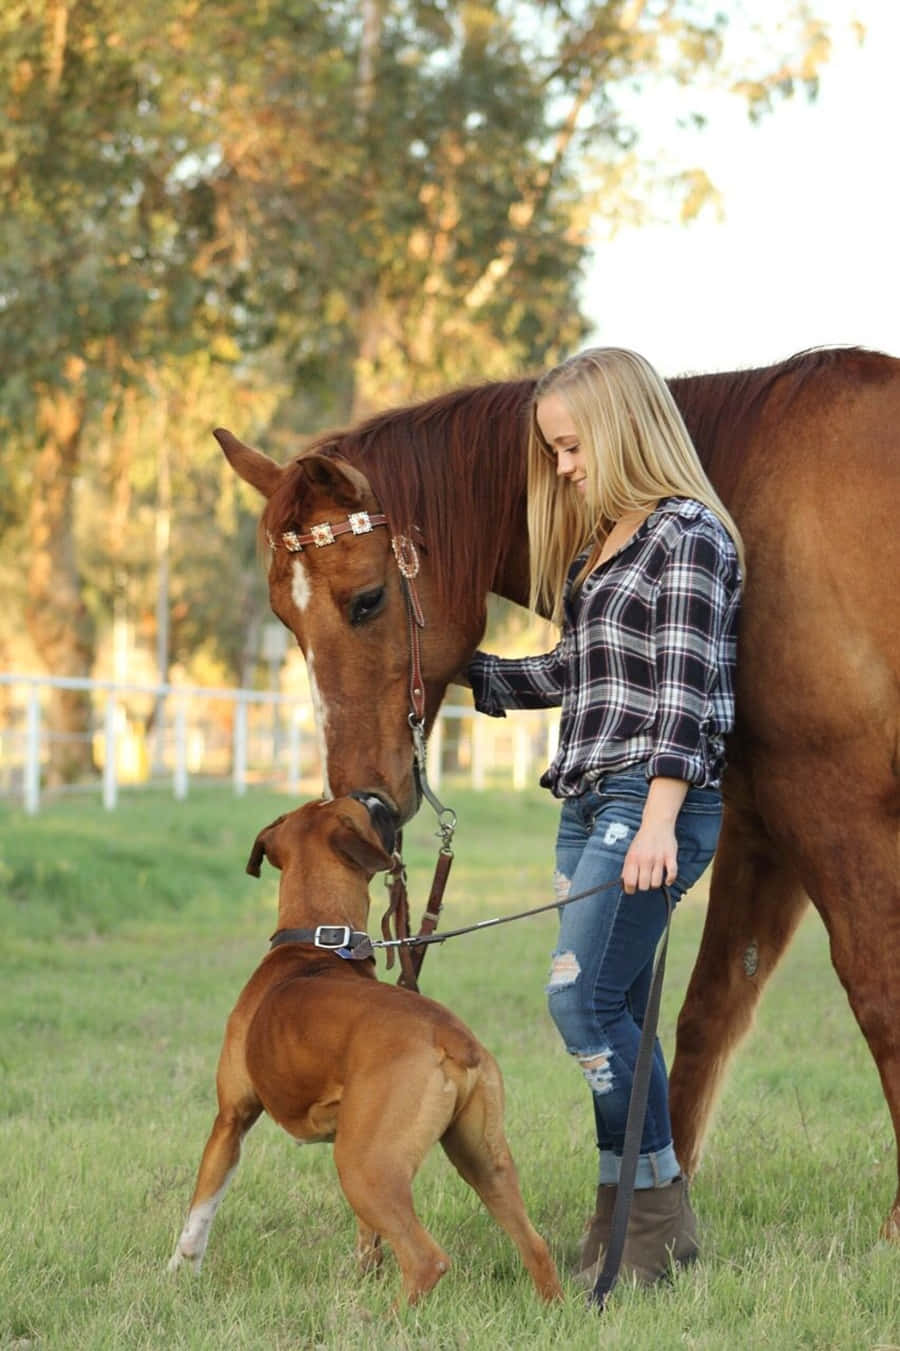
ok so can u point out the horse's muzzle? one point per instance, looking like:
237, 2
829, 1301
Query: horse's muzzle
384, 816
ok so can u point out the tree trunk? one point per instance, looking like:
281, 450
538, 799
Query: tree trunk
56, 617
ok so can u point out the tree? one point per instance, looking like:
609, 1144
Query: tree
425, 180
101, 221
356, 202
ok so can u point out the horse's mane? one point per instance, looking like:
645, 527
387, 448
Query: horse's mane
455, 466
452, 467
721, 410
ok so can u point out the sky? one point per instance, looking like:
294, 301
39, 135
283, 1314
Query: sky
808, 251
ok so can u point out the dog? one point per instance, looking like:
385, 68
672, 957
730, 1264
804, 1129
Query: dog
332, 1054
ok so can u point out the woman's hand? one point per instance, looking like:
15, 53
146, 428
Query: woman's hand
652, 857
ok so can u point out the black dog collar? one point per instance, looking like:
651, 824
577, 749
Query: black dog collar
345, 942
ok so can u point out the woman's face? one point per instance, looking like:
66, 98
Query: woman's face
558, 430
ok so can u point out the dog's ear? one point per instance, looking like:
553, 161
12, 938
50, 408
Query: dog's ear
262, 849
357, 841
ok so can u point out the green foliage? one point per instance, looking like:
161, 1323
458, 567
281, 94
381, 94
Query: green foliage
284, 214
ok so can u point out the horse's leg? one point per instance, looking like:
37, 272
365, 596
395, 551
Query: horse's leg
755, 904
853, 880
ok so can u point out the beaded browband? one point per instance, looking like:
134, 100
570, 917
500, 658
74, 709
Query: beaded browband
357, 523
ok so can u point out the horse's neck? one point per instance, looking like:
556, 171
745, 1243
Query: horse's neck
511, 580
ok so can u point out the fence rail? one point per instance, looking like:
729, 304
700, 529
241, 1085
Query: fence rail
142, 733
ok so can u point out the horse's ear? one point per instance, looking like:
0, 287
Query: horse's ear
251, 465
339, 478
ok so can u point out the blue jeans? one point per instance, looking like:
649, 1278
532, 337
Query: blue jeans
603, 963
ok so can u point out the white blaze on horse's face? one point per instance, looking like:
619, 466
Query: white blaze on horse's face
320, 715
300, 588
300, 594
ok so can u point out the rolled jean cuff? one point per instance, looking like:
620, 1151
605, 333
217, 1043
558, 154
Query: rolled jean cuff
653, 1170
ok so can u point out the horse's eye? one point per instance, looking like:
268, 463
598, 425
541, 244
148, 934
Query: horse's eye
366, 606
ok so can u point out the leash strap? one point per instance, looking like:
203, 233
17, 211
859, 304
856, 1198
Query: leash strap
398, 911
433, 907
634, 1126
426, 939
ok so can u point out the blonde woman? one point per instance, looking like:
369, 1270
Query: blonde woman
640, 564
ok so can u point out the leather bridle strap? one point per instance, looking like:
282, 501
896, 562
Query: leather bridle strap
357, 523
398, 911
408, 564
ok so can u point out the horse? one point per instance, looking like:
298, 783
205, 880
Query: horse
385, 539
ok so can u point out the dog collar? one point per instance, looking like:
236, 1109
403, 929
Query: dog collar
351, 944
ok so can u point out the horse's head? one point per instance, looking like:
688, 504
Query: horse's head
335, 581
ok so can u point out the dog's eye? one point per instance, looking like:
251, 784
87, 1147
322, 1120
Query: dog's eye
366, 606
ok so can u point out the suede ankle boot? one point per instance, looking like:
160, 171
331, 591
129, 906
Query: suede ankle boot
662, 1229
594, 1240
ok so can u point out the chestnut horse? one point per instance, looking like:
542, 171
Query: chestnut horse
806, 454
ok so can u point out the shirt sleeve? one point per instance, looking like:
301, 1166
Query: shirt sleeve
499, 683
695, 633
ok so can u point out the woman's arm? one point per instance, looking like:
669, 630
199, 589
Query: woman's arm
652, 856
499, 683
696, 612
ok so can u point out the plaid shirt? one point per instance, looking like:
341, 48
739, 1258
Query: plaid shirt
644, 670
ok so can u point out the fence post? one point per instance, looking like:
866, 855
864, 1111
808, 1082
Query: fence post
31, 777
552, 738
239, 763
110, 784
521, 757
293, 778
180, 779
436, 751
479, 754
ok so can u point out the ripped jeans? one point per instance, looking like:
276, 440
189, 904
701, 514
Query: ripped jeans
603, 964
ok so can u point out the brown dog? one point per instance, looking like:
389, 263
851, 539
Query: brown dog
330, 1053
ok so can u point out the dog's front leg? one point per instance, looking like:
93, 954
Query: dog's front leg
220, 1159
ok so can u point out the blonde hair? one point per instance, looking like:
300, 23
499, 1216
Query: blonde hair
636, 450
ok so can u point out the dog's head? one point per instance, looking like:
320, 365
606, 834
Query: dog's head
360, 830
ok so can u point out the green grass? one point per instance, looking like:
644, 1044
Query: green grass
126, 937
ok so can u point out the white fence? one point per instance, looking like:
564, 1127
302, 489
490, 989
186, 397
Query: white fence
247, 736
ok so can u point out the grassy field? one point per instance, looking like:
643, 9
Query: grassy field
125, 940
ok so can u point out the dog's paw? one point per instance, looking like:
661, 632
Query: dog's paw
180, 1259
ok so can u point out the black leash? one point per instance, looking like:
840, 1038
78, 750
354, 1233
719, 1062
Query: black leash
634, 1126
421, 939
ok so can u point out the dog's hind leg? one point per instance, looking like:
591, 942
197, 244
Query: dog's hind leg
369, 1252
476, 1146
220, 1159
381, 1139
